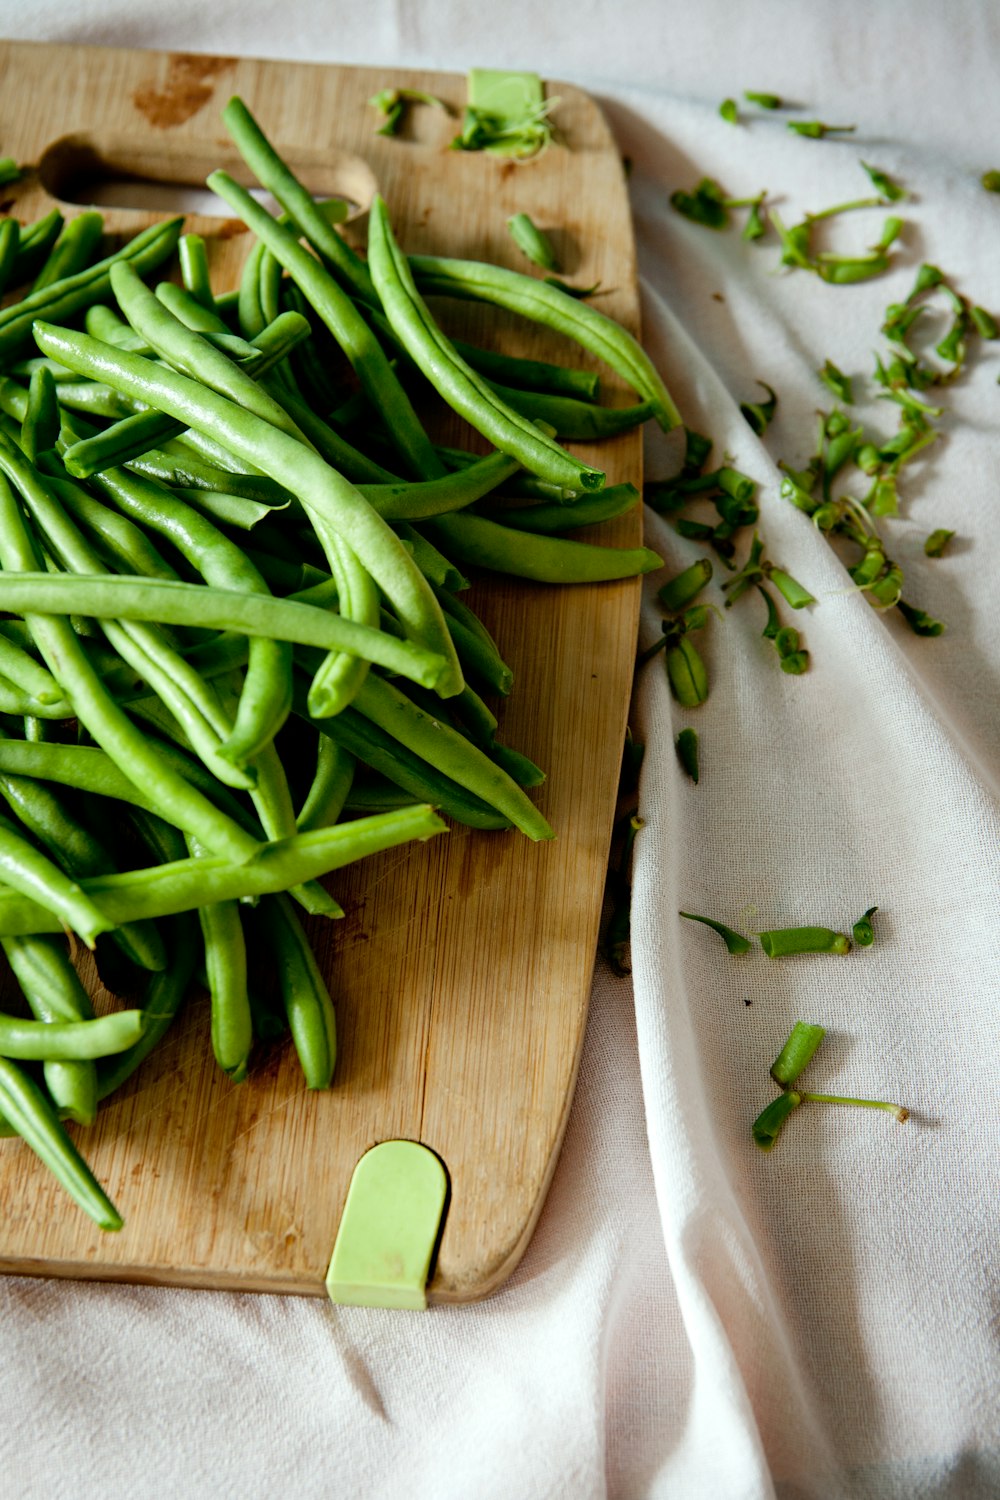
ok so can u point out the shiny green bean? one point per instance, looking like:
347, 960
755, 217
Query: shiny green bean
24, 1105
484, 543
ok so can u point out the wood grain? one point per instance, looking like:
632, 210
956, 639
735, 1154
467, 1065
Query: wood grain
462, 969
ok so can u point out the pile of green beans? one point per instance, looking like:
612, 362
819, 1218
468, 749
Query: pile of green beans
233, 655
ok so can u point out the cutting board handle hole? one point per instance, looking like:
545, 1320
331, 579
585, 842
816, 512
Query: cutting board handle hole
105, 173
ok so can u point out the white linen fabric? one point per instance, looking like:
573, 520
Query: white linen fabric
692, 1318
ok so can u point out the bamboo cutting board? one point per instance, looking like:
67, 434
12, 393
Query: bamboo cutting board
461, 972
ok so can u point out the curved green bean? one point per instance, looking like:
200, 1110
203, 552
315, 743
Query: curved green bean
24, 1105
455, 381
435, 497
43, 1041
54, 992
161, 1001
589, 510
573, 420
546, 559
536, 299
27, 870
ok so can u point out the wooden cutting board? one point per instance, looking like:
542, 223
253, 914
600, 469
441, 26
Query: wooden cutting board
461, 972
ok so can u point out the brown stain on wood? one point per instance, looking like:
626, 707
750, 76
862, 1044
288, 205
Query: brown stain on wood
189, 85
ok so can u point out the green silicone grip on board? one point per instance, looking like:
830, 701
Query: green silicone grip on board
389, 1228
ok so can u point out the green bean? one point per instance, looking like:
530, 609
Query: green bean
329, 787
29, 675
226, 972
26, 869
40, 427
486, 544
72, 251
32, 1116
340, 675
135, 435
183, 885
64, 298
344, 321
459, 385
102, 322
414, 775
589, 510
546, 304
476, 647
319, 487
532, 241
434, 497
10, 235
450, 753
266, 695
79, 853
80, 1041
101, 716
439, 570
53, 990
110, 596
161, 1001
194, 268
307, 217
34, 243
180, 467
306, 998
189, 352
124, 544
530, 374
574, 420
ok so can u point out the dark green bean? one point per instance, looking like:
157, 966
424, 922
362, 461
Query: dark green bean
574, 420
34, 243
450, 753
33, 1117
414, 775
329, 787
486, 544
530, 374
434, 497
589, 510
10, 235
226, 974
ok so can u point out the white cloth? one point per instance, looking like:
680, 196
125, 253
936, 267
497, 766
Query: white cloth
691, 1318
